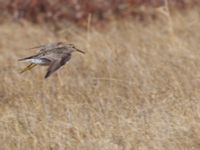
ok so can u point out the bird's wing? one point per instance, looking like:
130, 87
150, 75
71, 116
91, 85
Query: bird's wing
56, 63
36, 47
30, 57
46, 47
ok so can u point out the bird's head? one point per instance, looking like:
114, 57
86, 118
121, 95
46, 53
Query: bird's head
60, 44
74, 49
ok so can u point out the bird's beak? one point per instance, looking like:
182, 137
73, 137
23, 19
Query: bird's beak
78, 50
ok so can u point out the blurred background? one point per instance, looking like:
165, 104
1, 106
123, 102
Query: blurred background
77, 11
136, 88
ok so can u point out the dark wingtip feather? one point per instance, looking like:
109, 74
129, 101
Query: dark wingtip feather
28, 57
47, 75
21, 59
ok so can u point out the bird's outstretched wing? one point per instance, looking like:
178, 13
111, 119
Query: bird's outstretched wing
48, 47
56, 64
30, 57
37, 47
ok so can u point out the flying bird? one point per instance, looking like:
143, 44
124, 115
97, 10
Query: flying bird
48, 46
54, 55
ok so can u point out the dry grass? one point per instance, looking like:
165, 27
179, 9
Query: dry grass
138, 87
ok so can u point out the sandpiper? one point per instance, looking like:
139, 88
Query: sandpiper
53, 55
48, 46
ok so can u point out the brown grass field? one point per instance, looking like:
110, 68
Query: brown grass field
136, 88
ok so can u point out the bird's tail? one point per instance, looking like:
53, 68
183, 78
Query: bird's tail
29, 67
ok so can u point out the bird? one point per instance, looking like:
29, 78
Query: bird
54, 55
48, 46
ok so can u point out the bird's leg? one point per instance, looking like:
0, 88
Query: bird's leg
29, 67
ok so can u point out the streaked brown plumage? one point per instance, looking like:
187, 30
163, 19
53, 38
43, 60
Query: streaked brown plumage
53, 55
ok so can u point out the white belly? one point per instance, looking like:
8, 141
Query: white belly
38, 61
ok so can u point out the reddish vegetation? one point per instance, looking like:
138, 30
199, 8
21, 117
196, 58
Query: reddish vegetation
78, 10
